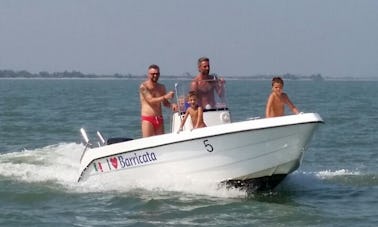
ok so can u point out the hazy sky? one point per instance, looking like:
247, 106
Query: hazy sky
246, 37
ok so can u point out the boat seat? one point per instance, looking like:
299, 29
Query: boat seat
117, 140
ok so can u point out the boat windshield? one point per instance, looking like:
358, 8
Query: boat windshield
211, 94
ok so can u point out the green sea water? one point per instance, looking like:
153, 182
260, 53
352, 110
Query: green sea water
336, 185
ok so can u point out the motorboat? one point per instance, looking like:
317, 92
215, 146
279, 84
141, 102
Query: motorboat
253, 154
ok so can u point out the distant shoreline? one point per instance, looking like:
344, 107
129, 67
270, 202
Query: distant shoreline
182, 78
9, 74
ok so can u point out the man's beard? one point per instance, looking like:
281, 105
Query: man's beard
154, 79
206, 72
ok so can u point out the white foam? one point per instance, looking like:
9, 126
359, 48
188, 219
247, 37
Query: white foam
163, 181
59, 165
52, 163
342, 172
300, 180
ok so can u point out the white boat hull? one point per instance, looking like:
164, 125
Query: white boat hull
253, 151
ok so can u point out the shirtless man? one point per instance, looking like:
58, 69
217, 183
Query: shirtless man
205, 85
277, 100
152, 94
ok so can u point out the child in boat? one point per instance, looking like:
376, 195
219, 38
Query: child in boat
195, 111
277, 100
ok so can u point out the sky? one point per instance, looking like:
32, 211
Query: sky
336, 38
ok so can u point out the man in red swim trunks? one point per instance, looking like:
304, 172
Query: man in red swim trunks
152, 95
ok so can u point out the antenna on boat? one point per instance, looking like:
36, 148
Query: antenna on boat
177, 99
178, 105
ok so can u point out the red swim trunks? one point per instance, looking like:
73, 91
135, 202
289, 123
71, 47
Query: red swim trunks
156, 121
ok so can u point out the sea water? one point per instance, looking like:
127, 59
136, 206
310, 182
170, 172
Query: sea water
336, 185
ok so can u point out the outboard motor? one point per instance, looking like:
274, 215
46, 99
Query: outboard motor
109, 141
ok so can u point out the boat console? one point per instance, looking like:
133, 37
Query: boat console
215, 114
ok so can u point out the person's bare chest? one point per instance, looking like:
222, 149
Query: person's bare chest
155, 91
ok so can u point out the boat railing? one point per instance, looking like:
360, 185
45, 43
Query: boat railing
85, 141
101, 141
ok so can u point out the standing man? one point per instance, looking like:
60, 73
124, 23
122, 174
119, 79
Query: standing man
152, 94
205, 85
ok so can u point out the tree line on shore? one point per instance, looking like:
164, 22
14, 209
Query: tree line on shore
78, 75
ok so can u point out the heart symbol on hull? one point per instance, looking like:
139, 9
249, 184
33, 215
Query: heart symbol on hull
114, 162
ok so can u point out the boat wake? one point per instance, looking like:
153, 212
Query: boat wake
307, 181
57, 166
55, 163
